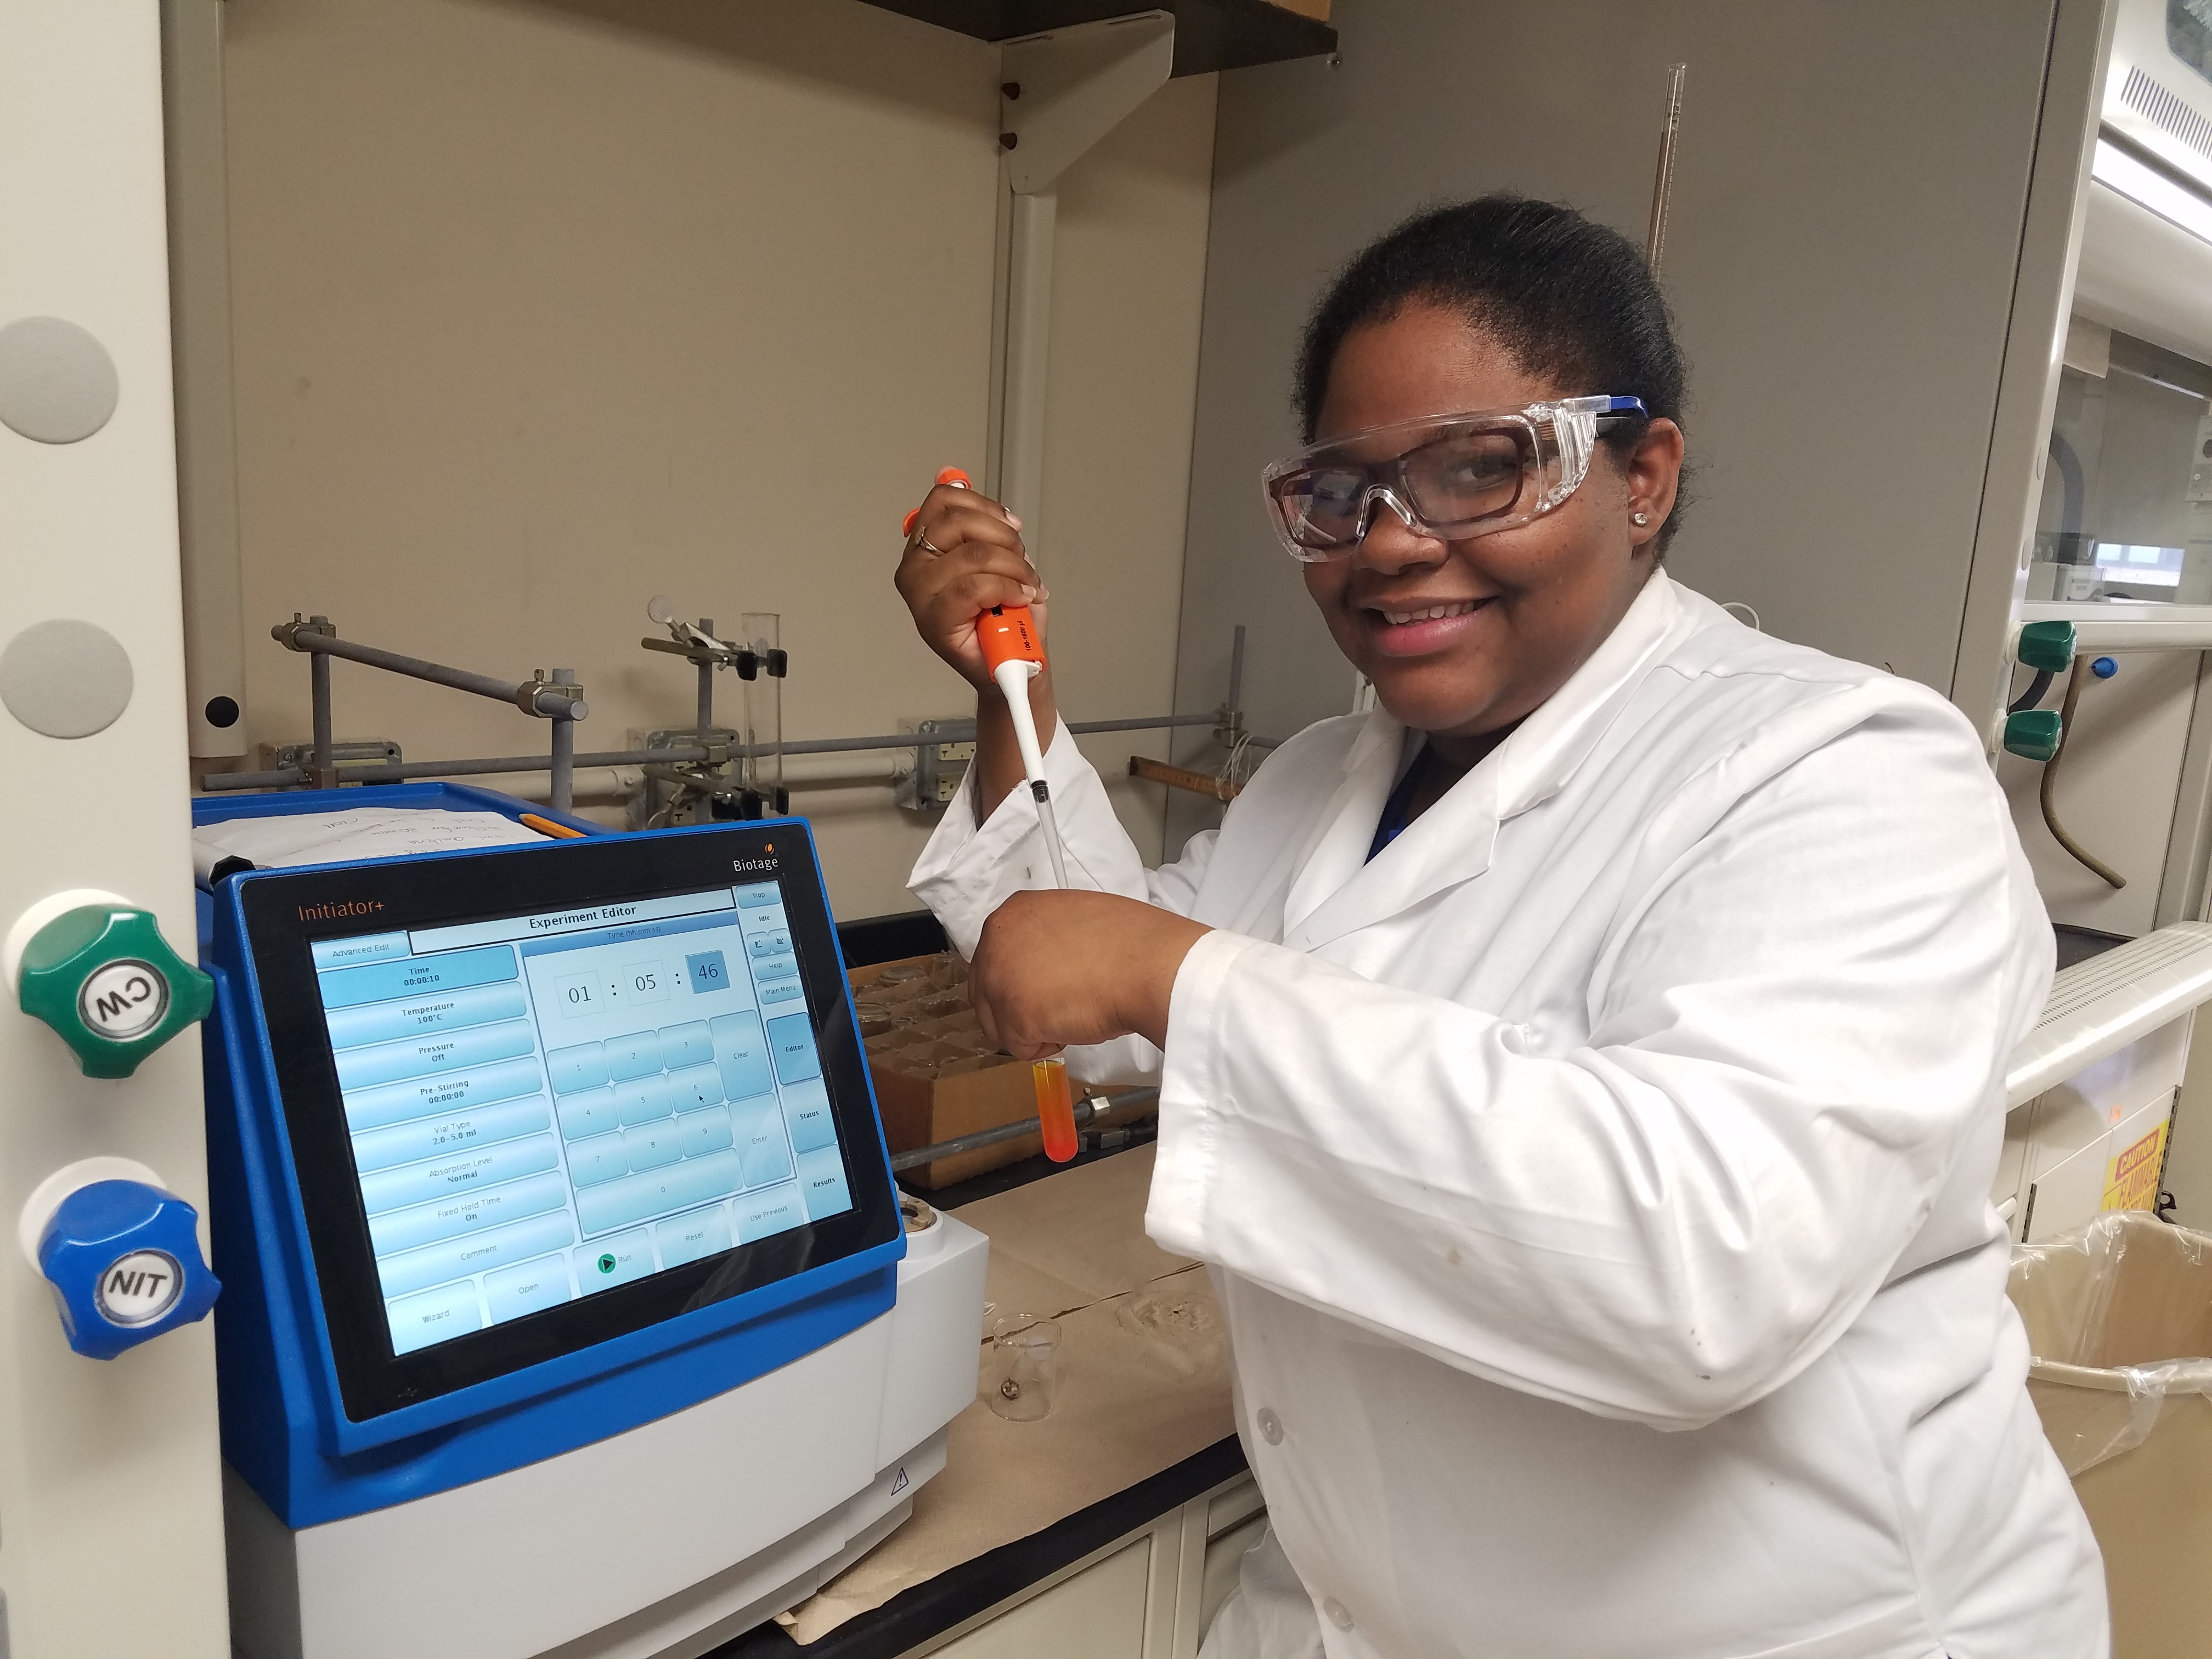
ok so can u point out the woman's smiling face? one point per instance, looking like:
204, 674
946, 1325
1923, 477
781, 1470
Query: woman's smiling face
1461, 638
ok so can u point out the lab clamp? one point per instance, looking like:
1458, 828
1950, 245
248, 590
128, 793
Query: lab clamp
691, 774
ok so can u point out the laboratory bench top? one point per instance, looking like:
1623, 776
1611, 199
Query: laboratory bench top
926, 1610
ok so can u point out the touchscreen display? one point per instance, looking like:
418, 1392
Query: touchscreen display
545, 1106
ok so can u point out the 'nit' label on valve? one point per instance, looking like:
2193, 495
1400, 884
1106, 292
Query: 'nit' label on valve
139, 1288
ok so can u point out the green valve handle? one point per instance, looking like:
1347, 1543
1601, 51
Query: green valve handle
2045, 645
2033, 733
102, 974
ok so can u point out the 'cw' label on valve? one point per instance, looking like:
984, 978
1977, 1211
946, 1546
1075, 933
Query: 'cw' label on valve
123, 998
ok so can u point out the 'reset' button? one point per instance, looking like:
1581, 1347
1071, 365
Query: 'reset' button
1339, 1614
1271, 1427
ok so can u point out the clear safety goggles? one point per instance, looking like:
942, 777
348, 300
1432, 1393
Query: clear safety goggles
1451, 477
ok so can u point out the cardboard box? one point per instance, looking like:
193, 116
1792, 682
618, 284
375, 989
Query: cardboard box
2128, 1291
982, 1089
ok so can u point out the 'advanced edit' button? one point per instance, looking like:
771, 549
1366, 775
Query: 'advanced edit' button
475, 1252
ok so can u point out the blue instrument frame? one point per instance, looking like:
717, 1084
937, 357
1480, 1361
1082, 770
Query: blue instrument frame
283, 1427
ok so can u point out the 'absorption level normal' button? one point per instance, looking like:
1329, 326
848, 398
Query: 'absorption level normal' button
472, 1253
480, 1085
437, 1317
381, 981
438, 1010
613, 1261
656, 1192
463, 1171
433, 1052
428, 1223
430, 1137
527, 1287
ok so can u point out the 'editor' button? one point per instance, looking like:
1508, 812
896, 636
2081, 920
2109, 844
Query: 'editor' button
1271, 1427
1339, 1614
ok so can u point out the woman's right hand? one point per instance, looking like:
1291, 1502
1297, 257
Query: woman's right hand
978, 561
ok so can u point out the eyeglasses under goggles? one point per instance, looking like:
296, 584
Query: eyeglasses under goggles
1452, 477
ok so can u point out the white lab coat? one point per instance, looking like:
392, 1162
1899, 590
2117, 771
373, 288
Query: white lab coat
1596, 1183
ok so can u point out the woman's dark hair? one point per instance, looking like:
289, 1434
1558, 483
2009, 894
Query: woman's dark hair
1567, 298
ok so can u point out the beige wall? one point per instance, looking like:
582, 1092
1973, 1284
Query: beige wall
1841, 257
543, 307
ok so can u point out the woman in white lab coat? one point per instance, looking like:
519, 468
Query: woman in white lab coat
1584, 1074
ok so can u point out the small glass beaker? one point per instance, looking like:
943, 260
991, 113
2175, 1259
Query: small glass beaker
1021, 1372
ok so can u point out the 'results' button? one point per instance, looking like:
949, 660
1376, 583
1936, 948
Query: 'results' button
1339, 1614
1271, 1427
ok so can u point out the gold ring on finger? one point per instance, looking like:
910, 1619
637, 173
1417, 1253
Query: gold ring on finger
921, 540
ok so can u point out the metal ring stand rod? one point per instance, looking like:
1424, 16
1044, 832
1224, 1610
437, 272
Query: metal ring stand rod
1086, 1112
557, 697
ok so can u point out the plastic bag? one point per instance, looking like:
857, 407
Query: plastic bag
2119, 1323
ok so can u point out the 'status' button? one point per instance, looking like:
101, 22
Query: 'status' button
1271, 1427
1339, 1614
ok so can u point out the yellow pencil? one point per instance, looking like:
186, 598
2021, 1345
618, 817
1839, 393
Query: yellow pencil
547, 827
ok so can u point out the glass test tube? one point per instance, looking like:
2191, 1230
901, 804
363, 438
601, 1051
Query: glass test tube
1055, 1108
761, 776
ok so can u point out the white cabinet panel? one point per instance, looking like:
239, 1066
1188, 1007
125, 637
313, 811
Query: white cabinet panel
1099, 1613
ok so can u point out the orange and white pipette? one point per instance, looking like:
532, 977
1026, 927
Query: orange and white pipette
1015, 656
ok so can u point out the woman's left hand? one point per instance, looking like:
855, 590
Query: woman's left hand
1056, 969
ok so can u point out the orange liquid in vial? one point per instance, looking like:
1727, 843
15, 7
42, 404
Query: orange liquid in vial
1055, 1108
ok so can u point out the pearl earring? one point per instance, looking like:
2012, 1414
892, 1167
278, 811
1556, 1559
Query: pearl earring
1639, 519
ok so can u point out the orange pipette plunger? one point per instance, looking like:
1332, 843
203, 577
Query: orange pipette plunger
1015, 656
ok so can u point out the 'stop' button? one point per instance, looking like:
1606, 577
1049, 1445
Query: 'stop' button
1339, 1614
1271, 1427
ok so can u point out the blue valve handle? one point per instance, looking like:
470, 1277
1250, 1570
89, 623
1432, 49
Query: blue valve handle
124, 1262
